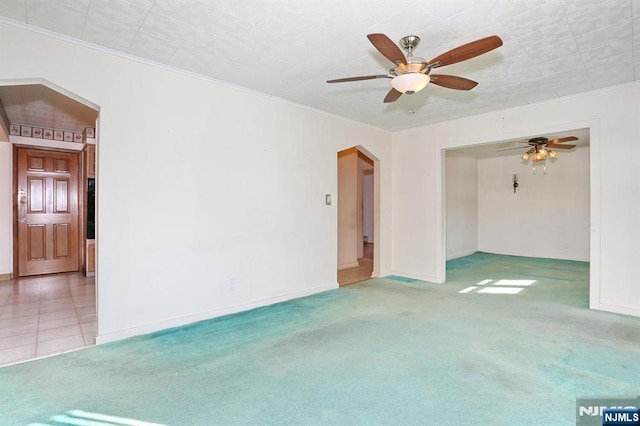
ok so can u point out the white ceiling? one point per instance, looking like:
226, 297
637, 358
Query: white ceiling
289, 48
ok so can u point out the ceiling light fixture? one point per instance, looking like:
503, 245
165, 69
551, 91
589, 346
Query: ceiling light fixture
541, 148
410, 83
539, 154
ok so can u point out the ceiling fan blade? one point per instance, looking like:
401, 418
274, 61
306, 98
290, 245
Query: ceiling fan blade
553, 146
392, 96
567, 139
453, 82
364, 77
388, 48
468, 51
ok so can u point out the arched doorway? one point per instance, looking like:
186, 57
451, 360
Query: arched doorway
49, 145
356, 216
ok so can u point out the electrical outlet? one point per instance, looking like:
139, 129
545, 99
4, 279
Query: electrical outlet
232, 284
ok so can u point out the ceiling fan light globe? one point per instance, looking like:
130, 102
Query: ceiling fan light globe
537, 157
410, 82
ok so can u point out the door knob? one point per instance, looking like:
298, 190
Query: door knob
22, 220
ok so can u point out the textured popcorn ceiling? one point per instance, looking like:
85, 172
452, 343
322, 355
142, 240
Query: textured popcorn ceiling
288, 49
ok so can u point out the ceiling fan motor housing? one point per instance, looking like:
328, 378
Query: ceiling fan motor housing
538, 141
409, 42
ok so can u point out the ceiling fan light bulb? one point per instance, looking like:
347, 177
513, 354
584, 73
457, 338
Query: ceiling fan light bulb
553, 154
410, 82
525, 156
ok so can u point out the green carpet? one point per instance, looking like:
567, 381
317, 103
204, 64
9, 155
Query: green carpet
380, 352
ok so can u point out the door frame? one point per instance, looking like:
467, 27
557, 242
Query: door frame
593, 125
376, 207
15, 274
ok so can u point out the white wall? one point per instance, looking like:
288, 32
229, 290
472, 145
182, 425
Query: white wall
211, 199
547, 217
461, 205
613, 117
348, 209
413, 211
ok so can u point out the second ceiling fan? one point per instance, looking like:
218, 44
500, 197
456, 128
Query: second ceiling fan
411, 73
542, 147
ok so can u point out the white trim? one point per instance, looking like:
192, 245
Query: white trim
348, 266
461, 254
617, 309
441, 216
381, 274
421, 277
188, 319
543, 255
594, 215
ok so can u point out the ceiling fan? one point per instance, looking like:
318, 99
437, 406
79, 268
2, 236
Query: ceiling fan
412, 73
542, 147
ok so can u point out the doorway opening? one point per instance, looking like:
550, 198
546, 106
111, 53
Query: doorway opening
47, 286
496, 202
357, 235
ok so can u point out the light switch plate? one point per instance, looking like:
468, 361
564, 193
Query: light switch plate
327, 199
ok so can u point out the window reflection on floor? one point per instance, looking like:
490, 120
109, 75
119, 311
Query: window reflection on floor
86, 418
504, 286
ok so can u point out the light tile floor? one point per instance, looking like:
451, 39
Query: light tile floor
45, 315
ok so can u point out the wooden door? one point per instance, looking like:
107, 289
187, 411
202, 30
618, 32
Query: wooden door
47, 212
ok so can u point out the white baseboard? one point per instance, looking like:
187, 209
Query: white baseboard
188, 319
348, 265
546, 255
421, 277
379, 274
462, 254
617, 309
